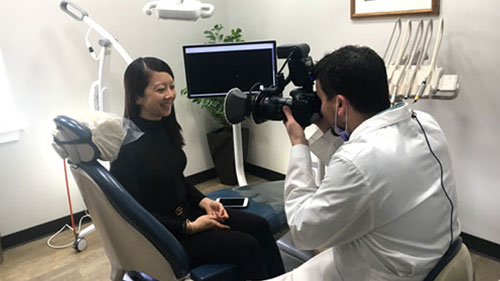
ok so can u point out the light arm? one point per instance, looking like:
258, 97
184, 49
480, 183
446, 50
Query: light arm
81, 15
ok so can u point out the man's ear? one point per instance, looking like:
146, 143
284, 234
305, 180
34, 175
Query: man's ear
342, 104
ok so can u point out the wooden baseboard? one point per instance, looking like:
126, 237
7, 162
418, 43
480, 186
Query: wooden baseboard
481, 246
202, 176
39, 231
264, 173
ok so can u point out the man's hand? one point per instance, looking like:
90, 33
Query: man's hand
295, 131
214, 208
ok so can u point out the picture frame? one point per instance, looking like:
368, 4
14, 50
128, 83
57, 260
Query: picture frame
387, 8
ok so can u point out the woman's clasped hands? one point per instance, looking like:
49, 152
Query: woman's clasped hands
216, 215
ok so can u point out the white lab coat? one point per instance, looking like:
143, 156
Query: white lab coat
380, 205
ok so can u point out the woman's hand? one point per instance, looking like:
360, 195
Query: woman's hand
203, 223
214, 208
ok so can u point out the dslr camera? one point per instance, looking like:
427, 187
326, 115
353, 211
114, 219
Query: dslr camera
268, 103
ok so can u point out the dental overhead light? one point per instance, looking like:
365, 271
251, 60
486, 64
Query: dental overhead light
189, 10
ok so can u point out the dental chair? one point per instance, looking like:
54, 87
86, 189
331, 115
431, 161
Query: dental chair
455, 265
132, 238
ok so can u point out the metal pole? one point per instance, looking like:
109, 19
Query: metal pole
238, 155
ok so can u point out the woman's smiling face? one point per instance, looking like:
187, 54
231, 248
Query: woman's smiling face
158, 97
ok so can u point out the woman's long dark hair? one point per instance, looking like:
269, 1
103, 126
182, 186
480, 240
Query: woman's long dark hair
136, 79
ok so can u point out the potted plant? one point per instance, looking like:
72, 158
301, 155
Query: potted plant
220, 141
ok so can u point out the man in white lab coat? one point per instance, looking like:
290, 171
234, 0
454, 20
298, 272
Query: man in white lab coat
384, 210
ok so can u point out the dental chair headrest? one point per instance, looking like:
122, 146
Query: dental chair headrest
73, 141
98, 135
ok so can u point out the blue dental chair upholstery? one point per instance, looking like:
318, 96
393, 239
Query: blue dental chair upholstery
131, 237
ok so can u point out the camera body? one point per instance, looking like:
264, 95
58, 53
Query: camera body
269, 102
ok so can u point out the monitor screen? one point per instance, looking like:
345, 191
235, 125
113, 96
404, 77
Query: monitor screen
212, 70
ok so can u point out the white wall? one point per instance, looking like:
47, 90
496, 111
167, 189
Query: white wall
470, 49
50, 73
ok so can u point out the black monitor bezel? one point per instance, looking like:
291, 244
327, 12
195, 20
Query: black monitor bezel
273, 42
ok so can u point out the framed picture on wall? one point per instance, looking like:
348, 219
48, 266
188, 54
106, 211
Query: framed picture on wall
384, 8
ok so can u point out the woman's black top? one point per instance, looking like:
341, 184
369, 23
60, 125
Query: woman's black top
151, 169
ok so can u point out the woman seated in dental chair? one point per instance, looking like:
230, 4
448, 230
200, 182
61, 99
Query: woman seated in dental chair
151, 169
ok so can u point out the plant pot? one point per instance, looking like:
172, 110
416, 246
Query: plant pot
221, 147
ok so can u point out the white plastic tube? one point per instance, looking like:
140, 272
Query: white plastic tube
402, 50
423, 52
432, 67
394, 85
391, 46
407, 67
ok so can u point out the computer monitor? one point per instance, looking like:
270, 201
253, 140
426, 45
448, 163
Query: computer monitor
212, 70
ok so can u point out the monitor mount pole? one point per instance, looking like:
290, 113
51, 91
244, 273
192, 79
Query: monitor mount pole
238, 155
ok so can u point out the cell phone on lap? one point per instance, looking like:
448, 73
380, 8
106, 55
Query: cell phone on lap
233, 202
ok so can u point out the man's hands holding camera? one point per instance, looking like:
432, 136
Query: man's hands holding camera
295, 131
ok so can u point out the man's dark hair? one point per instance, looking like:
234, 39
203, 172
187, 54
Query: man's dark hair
359, 74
